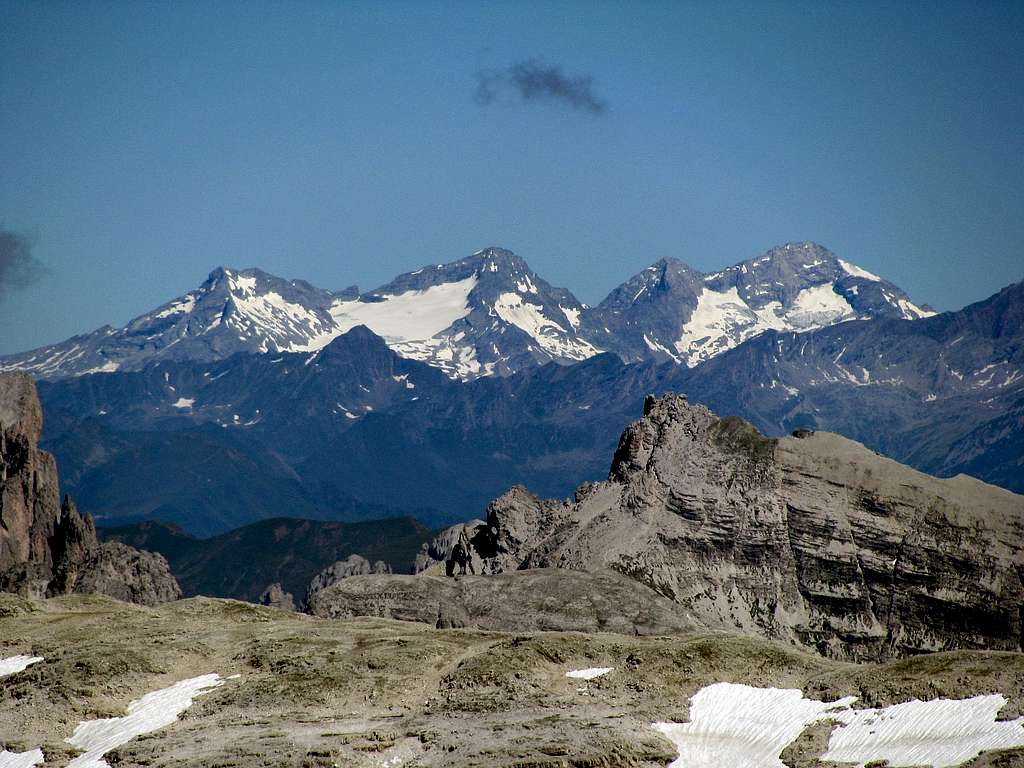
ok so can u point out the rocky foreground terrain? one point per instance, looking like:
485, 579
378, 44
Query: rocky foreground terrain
372, 692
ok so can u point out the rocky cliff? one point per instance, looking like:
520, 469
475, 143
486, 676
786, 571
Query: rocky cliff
811, 538
46, 547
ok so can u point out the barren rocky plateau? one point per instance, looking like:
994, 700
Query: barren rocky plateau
314, 692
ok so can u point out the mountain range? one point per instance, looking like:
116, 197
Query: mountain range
490, 315
202, 429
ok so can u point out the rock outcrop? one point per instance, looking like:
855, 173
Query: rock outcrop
274, 596
46, 547
29, 492
353, 565
811, 539
432, 556
547, 599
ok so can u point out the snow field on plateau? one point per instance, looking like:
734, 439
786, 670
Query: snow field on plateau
10, 666
588, 674
746, 727
940, 732
14, 664
97, 737
21, 759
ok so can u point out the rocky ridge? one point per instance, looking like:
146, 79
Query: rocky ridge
810, 539
46, 547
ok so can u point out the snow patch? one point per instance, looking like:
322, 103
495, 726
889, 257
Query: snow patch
721, 320
739, 725
523, 314
13, 664
177, 307
913, 312
589, 673
108, 367
150, 713
818, 306
854, 271
550, 336
21, 759
572, 315
942, 732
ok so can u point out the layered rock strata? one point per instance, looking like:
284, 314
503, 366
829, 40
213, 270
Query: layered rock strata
811, 539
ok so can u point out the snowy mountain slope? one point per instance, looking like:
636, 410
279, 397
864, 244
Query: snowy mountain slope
489, 314
232, 311
670, 311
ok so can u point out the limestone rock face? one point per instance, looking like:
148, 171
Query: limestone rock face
274, 596
128, 574
434, 553
537, 599
73, 541
46, 547
353, 565
813, 539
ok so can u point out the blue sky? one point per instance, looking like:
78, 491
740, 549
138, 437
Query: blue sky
143, 144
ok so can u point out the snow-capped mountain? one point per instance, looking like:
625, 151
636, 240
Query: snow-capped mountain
218, 444
670, 311
489, 314
233, 311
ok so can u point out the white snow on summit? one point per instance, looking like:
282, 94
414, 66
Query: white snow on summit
251, 311
409, 316
723, 320
855, 271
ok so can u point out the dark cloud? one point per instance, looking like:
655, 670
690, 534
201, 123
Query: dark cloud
18, 267
533, 80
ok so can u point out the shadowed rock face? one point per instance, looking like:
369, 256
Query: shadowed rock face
46, 547
814, 539
29, 493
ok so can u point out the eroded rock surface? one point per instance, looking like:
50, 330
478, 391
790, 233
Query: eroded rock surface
812, 539
353, 565
549, 599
